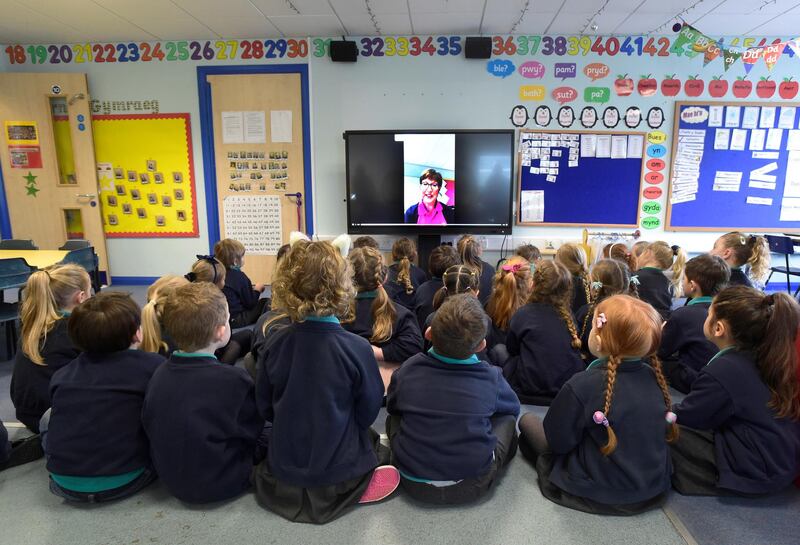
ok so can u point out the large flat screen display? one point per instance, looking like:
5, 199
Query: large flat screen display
429, 182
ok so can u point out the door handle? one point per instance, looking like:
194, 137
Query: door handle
86, 195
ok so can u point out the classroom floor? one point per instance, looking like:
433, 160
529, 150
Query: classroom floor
515, 512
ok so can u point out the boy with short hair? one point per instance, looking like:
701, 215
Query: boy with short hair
452, 420
96, 447
199, 414
684, 348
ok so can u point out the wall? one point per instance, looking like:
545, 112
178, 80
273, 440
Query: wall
400, 92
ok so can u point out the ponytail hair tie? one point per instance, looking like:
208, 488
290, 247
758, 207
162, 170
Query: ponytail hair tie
601, 321
671, 417
512, 268
675, 249
191, 277
599, 417
769, 300
635, 280
597, 285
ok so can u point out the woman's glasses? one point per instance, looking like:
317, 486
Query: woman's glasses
429, 185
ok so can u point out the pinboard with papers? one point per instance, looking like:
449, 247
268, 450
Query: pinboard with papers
580, 178
735, 166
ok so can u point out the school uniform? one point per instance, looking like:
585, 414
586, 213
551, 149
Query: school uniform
397, 291
578, 294
684, 349
494, 337
201, 419
574, 473
30, 383
95, 439
739, 278
485, 282
406, 340
277, 320
452, 426
483, 355
244, 303
655, 289
423, 299
320, 388
731, 441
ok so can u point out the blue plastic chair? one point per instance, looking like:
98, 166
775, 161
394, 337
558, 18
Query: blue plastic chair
86, 258
14, 273
17, 244
784, 246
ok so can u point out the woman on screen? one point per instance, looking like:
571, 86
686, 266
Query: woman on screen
429, 210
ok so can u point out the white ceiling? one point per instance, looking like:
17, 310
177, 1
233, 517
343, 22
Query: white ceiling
68, 21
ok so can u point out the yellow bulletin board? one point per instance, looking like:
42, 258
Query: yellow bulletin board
146, 175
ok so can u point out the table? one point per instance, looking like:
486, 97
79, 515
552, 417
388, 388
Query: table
36, 258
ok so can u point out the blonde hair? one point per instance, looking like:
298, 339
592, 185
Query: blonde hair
631, 328
573, 257
456, 280
229, 252
749, 250
192, 313
552, 285
470, 251
369, 273
46, 292
613, 278
313, 279
404, 252
511, 290
667, 257
152, 312
208, 269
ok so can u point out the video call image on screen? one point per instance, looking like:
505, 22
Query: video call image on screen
429, 180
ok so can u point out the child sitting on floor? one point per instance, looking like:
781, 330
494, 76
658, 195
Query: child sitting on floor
452, 420
201, 416
684, 348
602, 446
404, 276
96, 447
740, 423
320, 388
154, 338
45, 346
655, 286
244, 298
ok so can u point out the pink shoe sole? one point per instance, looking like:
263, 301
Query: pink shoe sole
384, 481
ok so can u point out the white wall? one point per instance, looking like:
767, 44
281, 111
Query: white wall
385, 93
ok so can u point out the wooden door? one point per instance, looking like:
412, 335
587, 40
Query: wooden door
240, 104
48, 163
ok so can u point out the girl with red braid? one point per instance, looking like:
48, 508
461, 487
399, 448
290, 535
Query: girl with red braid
602, 448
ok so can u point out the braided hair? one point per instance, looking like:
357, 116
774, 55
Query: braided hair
552, 285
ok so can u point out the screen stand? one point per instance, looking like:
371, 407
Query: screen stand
425, 245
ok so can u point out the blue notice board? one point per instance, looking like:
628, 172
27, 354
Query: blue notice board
580, 178
735, 166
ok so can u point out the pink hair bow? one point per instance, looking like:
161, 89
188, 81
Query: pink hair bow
601, 320
512, 268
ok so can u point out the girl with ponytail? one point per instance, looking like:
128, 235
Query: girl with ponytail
609, 277
602, 448
391, 329
471, 251
542, 342
154, 337
49, 297
456, 280
573, 257
512, 287
404, 276
742, 415
740, 250
660, 275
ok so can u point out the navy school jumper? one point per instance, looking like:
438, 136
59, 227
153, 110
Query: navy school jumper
445, 408
578, 294
239, 292
655, 289
95, 425
30, 383
541, 356
397, 291
201, 418
485, 282
755, 452
738, 278
639, 469
423, 299
406, 339
683, 340
320, 387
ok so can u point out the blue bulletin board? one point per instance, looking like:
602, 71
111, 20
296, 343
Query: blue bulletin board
735, 166
580, 178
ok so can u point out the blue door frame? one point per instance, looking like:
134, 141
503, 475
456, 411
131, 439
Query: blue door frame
5, 218
207, 137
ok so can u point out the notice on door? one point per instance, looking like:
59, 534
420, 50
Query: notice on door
22, 138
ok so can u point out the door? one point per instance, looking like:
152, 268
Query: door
48, 160
258, 151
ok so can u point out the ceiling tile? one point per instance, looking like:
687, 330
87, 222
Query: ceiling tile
442, 24
283, 7
441, 6
243, 27
205, 9
308, 25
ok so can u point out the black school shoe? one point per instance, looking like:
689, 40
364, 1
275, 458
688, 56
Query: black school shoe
24, 451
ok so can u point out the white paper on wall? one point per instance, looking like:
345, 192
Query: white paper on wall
232, 128
281, 125
255, 221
